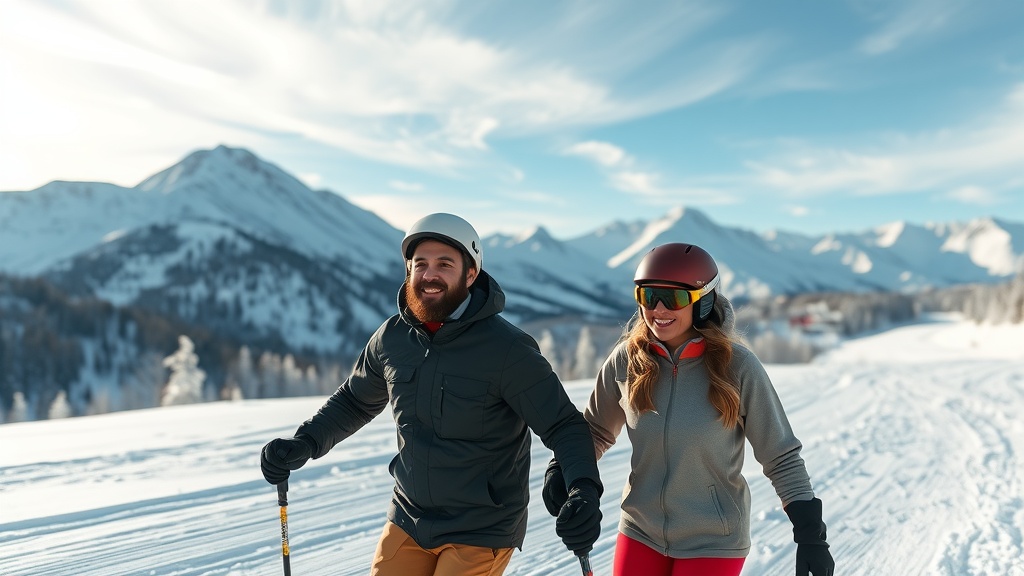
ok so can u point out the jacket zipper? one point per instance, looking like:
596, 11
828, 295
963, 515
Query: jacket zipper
664, 451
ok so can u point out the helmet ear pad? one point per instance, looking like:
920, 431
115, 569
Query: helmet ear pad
704, 307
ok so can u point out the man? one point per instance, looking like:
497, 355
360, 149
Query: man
466, 387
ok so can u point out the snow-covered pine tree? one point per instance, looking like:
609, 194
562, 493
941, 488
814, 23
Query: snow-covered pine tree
587, 364
186, 382
19, 409
549, 349
60, 408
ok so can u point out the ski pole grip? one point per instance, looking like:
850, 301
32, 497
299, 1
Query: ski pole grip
584, 557
282, 493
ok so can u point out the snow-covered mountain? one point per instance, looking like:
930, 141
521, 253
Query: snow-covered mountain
226, 239
221, 238
896, 257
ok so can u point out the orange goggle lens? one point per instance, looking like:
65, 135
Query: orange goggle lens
672, 298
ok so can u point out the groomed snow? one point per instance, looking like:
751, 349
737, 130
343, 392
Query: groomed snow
912, 438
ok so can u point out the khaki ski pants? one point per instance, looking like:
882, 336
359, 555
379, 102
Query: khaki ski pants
398, 555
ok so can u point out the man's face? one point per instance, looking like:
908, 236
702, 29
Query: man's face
438, 281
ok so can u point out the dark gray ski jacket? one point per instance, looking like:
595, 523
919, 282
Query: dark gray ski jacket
464, 400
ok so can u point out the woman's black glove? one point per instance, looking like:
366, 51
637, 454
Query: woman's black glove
554, 493
579, 520
812, 555
283, 455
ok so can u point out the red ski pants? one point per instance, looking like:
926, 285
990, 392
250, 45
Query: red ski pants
635, 559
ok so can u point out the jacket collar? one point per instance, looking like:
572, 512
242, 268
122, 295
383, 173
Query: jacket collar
486, 299
692, 349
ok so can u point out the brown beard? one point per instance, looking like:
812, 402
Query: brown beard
435, 311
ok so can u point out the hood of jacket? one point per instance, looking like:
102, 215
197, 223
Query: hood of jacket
486, 299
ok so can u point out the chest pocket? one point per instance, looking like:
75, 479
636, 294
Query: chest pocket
401, 391
463, 401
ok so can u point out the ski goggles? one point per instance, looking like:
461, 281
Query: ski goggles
672, 298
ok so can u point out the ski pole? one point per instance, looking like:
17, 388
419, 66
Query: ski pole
584, 556
282, 501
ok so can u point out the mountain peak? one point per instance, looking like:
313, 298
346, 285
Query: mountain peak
534, 234
533, 239
680, 224
889, 233
680, 213
219, 163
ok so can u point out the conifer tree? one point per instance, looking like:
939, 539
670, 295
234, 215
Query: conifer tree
186, 382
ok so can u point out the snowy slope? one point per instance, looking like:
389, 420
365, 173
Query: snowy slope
913, 439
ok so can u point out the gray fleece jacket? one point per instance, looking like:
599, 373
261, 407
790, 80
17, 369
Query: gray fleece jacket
685, 496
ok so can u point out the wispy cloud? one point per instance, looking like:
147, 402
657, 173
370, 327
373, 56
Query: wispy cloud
406, 186
904, 21
649, 186
972, 195
603, 153
985, 155
797, 210
396, 82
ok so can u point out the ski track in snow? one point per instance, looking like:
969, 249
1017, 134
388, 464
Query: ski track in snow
917, 461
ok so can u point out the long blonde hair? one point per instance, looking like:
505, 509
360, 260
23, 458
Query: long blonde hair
643, 370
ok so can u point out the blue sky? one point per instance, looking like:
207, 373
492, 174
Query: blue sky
802, 116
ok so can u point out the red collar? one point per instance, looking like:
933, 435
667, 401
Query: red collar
433, 327
692, 349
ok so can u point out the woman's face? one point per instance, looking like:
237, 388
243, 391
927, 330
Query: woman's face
672, 327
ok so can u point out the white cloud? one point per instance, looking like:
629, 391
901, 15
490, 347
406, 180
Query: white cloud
972, 195
399, 210
352, 79
406, 186
908, 20
644, 183
395, 82
650, 189
797, 211
648, 186
987, 154
535, 197
311, 179
603, 153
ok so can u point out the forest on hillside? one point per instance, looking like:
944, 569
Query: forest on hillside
63, 356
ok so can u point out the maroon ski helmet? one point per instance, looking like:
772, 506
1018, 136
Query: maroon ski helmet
682, 264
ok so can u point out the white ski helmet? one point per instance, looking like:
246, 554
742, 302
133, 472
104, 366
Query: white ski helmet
447, 228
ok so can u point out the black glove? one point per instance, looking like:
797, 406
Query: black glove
282, 455
812, 555
554, 493
579, 520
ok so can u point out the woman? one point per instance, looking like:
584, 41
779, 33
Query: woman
689, 396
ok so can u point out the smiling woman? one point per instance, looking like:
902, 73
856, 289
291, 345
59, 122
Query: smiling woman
687, 391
